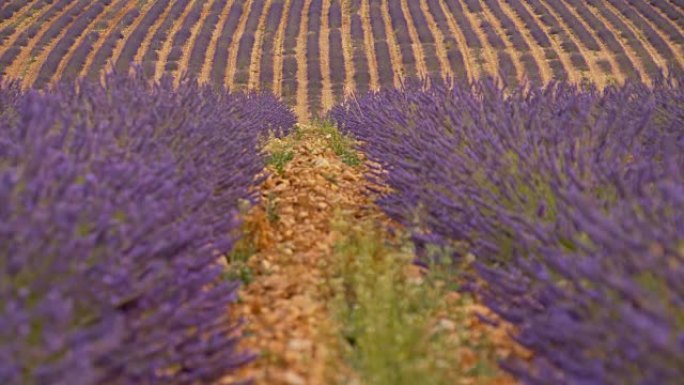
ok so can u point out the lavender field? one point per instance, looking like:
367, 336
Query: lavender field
369, 192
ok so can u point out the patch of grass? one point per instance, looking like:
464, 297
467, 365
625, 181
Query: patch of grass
396, 327
280, 150
238, 269
271, 208
342, 145
278, 159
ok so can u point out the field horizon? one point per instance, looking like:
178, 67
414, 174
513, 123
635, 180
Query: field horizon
313, 53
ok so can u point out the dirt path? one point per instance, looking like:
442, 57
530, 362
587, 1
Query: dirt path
313, 239
285, 306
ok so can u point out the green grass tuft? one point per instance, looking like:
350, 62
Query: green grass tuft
388, 320
342, 145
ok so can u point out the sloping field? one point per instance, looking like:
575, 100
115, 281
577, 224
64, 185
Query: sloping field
312, 52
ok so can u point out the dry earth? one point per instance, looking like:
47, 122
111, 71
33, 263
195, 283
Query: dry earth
287, 304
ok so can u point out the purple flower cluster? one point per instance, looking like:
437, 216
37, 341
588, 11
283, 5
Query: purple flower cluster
571, 200
118, 199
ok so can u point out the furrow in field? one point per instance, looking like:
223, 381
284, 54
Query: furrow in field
11, 42
563, 66
381, 48
338, 71
167, 47
225, 43
289, 79
313, 58
73, 63
302, 100
132, 42
361, 68
164, 8
57, 30
627, 59
246, 47
12, 26
472, 69
395, 54
651, 59
347, 50
204, 43
118, 22
255, 60
578, 51
618, 70
650, 10
235, 45
17, 59
440, 46
16, 10
327, 98
535, 50
195, 43
654, 37
278, 50
205, 73
416, 45
181, 39
369, 44
127, 32
485, 55
273, 19
499, 39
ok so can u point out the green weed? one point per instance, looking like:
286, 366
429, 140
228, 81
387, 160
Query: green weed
342, 145
388, 320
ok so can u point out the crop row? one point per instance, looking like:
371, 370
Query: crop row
118, 201
514, 38
562, 207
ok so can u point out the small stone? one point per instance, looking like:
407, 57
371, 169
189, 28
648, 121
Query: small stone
446, 325
299, 344
321, 163
293, 378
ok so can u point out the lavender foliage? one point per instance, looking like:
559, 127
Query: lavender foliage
571, 200
118, 199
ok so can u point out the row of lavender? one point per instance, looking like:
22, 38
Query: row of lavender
649, 31
118, 199
571, 201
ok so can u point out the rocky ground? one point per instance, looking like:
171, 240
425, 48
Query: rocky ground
314, 199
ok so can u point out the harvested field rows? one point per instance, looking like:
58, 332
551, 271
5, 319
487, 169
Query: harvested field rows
312, 53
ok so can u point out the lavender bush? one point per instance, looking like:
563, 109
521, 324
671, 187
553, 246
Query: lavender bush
118, 200
571, 201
